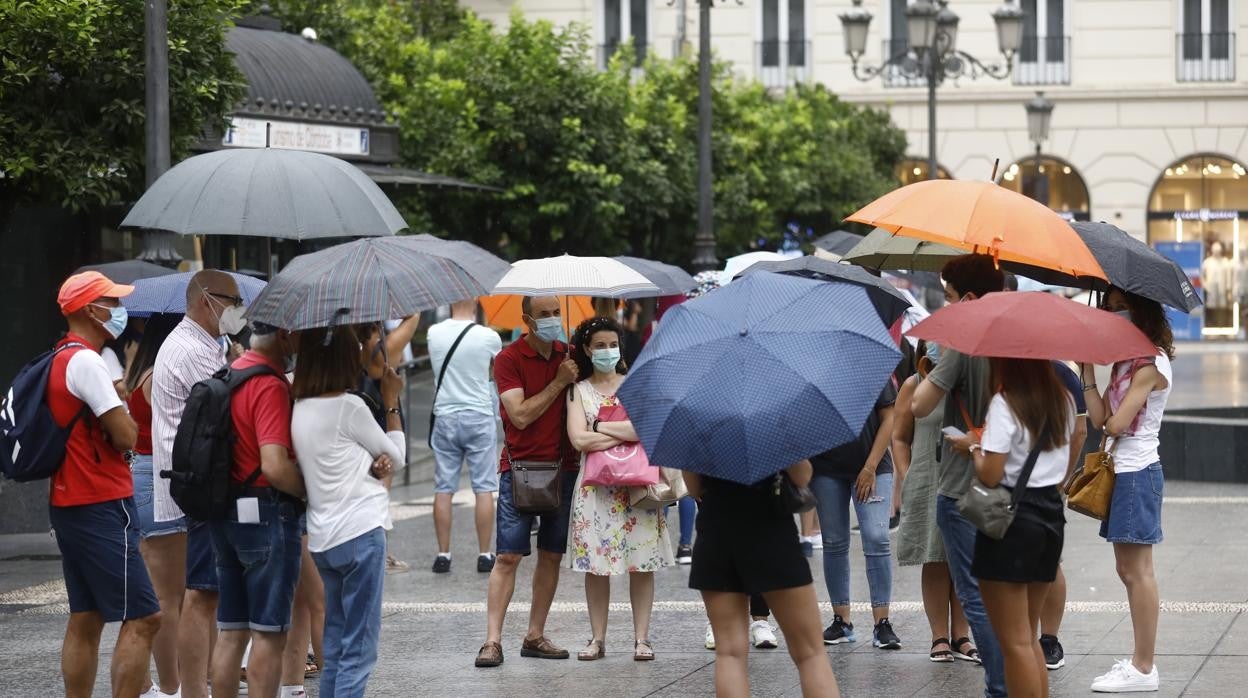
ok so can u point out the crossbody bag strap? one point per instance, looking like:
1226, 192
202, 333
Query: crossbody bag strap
447, 361
966, 415
1025, 476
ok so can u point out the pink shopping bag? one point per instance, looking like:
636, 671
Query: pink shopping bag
623, 465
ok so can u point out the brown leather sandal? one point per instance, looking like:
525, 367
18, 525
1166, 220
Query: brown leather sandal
490, 654
542, 648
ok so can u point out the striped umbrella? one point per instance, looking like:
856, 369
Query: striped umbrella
575, 276
670, 278
367, 281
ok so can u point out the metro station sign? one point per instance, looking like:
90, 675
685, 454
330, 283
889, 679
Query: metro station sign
321, 138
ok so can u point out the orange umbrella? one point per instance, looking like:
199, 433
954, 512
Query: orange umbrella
504, 311
984, 218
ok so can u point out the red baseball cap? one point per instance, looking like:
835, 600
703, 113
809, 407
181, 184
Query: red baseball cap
80, 290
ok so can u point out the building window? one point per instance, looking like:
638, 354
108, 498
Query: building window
1044, 57
897, 46
1053, 182
1205, 45
913, 170
783, 53
624, 22
1202, 203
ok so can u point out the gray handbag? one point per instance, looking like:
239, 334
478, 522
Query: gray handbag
992, 509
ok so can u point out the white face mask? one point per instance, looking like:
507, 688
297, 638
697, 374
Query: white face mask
231, 320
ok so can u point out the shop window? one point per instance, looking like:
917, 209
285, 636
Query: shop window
913, 170
1054, 183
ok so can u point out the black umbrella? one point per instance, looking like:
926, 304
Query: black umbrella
129, 271
890, 303
838, 242
1132, 265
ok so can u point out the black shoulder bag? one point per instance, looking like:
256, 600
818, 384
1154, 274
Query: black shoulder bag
442, 375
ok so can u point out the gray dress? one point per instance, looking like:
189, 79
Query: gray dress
918, 538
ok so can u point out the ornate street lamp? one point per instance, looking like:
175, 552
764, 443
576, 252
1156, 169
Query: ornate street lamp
1039, 115
932, 53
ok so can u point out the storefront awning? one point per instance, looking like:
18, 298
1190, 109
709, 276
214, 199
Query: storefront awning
384, 174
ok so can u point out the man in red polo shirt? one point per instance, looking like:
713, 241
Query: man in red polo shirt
92, 496
259, 543
532, 375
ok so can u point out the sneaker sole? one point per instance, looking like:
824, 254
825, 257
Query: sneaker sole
1131, 689
684, 561
710, 647
538, 655
766, 645
840, 640
1051, 667
886, 645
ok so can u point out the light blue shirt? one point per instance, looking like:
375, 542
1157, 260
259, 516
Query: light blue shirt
468, 385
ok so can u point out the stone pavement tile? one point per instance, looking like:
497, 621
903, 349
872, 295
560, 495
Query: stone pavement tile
1075, 679
1220, 676
1235, 641
1177, 634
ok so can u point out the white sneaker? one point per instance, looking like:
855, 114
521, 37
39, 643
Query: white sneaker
762, 636
153, 692
710, 637
816, 541
1125, 678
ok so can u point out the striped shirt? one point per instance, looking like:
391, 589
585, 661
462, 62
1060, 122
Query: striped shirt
189, 355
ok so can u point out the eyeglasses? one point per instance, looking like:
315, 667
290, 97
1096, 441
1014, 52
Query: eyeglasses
234, 300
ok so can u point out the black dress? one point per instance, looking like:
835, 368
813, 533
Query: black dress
746, 543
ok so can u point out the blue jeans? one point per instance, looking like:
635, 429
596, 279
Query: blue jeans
688, 510
353, 573
258, 566
959, 537
141, 474
833, 496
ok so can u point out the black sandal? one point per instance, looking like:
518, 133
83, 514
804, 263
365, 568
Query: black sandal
943, 656
971, 655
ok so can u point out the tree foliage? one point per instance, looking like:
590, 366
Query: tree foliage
72, 94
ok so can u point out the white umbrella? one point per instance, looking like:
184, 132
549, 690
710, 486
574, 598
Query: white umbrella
735, 265
575, 276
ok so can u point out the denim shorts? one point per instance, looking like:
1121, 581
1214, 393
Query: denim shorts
258, 566
470, 437
1135, 509
104, 572
141, 473
201, 558
515, 528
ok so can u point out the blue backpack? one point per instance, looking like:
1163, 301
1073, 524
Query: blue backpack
32, 444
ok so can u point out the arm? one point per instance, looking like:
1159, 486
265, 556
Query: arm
360, 426
280, 470
1077, 439
119, 428
399, 338
939, 383
620, 431
579, 434
521, 411
693, 483
87, 378
1098, 411
1145, 381
926, 397
801, 472
989, 467
902, 437
866, 479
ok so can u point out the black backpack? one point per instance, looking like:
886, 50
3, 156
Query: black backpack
32, 444
203, 449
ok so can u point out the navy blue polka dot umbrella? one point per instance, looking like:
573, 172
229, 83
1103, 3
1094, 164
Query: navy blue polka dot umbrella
752, 377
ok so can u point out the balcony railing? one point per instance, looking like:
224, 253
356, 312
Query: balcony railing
1043, 60
608, 50
780, 64
1205, 57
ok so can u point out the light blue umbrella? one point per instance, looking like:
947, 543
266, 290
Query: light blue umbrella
752, 377
167, 294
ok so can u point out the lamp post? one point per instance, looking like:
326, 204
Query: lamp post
1039, 115
932, 52
704, 258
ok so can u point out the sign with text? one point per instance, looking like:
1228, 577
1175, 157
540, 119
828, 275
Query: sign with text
320, 138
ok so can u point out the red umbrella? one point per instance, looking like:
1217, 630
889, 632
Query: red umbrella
1034, 325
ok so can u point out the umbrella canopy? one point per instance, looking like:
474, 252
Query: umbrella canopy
735, 265
1034, 325
883, 250
741, 383
838, 242
670, 279
1132, 265
368, 280
129, 271
485, 268
167, 294
505, 311
982, 217
888, 302
266, 192
575, 276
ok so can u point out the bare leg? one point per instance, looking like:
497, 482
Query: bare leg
1037, 593
502, 586
165, 557
1135, 569
442, 517
80, 653
958, 625
727, 613
1008, 611
316, 609
132, 653
483, 512
227, 656
810, 523
545, 582
937, 587
264, 665
598, 598
1054, 606
199, 619
797, 612
295, 657
641, 596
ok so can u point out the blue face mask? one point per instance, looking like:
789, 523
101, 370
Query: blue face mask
933, 352
548, 329
605, 360
117, 319
1124, 314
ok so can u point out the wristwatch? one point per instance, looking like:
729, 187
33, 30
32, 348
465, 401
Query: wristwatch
394, 410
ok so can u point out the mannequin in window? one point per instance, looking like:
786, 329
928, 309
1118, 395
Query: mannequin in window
1218, 278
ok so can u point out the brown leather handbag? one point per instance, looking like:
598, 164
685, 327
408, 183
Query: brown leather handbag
536, 486
1092, 488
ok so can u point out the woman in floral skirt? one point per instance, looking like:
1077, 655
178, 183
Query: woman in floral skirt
607, 537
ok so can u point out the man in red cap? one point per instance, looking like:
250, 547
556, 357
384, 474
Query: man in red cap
92, 506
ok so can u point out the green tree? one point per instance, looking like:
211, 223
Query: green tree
72, 94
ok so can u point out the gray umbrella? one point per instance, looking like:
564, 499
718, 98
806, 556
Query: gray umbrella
888, 301
1132, 265
838, 242
671, 279
129, 271
266, 192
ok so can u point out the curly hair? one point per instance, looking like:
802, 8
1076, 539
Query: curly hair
580, 342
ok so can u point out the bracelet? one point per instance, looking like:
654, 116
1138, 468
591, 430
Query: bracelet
972, 447
1089, 388
595, 427
394, 410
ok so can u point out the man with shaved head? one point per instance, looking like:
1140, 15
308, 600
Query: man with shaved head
178, 552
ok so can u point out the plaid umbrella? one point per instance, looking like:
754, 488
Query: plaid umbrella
739, 385
365, 281
167, 294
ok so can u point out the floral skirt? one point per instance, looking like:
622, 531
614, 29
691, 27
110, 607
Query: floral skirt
608, 537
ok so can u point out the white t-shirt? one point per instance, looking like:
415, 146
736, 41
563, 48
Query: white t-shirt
467, 385
112, 363
1003, 433
336, 441
1138, 450
87, 378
